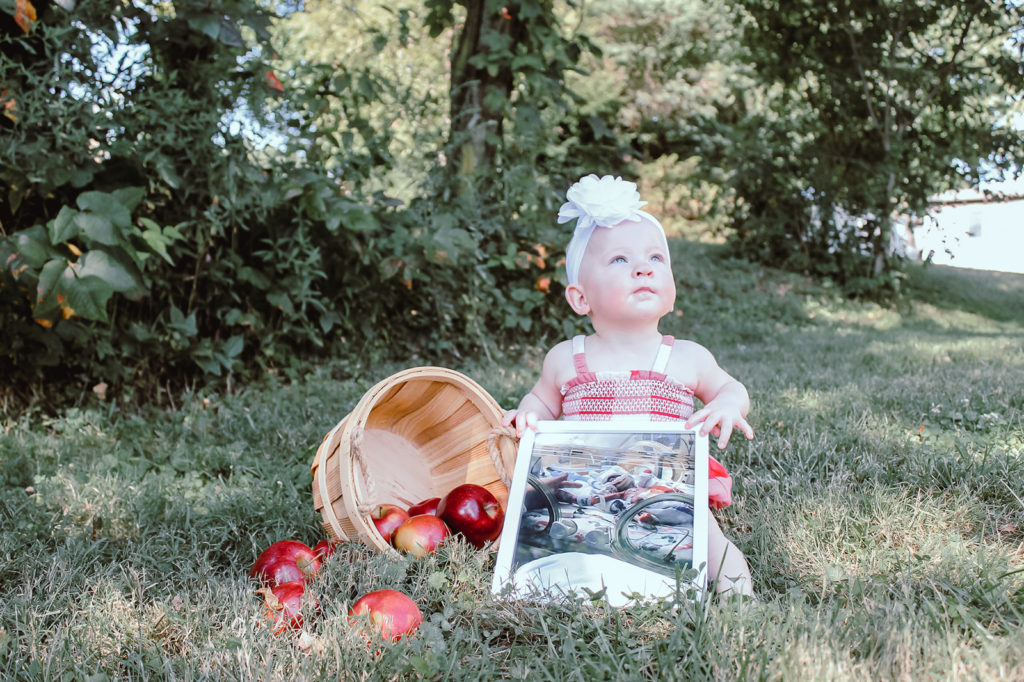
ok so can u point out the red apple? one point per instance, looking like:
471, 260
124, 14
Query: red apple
325, 548
474, 512
285, 561
420, 534
425, 507
391, 613
283, 605
387, 518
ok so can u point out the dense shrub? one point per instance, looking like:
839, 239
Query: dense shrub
175, 211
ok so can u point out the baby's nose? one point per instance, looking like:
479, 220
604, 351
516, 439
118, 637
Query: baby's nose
643, 268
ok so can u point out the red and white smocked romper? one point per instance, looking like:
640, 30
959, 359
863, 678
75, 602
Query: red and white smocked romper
604, 396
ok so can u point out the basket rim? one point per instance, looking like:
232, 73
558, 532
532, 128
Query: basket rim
476, 393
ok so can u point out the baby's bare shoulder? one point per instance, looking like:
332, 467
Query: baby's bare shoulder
559, 353
684, 348
558, 364
689, 359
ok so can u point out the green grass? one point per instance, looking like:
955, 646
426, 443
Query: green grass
881, 507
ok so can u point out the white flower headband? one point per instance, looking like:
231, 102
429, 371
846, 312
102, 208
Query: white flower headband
598, 202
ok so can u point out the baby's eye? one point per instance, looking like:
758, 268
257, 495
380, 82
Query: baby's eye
619, 259
656, 258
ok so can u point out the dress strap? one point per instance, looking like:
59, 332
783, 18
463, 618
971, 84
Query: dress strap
664, 351
579, 358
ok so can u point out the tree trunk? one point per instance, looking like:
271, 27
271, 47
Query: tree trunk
479, 93
882, 238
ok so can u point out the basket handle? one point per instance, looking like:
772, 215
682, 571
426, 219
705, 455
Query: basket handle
494, 450
356, 443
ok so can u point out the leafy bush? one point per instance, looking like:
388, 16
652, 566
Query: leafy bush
831, 142
199, 217
142, 239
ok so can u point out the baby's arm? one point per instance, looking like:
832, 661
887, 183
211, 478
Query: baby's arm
726, 401
544, 401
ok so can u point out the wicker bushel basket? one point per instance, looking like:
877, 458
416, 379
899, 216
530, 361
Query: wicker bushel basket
415, 435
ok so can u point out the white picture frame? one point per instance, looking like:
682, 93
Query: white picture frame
612, 508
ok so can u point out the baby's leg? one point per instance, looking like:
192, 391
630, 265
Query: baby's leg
727, 567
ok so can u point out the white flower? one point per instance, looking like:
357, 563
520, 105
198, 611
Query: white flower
601, 202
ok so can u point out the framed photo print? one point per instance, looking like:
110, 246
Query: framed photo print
617, 506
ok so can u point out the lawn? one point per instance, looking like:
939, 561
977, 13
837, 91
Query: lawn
881, 507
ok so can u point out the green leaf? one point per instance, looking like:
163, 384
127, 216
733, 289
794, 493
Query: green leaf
366, 87
114, 269
529, 11
174, 233
520, 294
206, 23
82, 176
157, 243
534, 62
208, 364
87, 296
130, 197
236, 316
157, 239
33, 246
62, 288
328, 320
280, 300
361, 220
183, 325
97, 229
600, 128
495, 100
63, 227
439, 16
260, 23
233, 347
229, 34
165, 169
254, 277
106, 205
46, 289
14, 197
332, 221
495, 41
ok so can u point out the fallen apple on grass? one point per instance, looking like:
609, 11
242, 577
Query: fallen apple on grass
387, 518
325, 548
283, 605
285, 561
472, 511
392, 613
420, 534
428, 506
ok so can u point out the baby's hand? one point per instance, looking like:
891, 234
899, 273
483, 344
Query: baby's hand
522, 419
719, 420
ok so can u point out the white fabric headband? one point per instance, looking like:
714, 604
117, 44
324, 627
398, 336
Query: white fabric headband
599, 202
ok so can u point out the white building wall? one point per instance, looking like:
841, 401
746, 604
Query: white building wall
977, 235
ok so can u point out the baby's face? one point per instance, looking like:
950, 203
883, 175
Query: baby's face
626, 272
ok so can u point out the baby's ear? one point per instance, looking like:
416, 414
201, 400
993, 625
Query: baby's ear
577, 299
